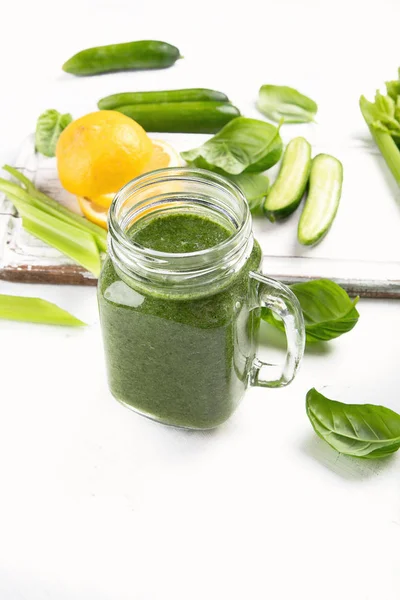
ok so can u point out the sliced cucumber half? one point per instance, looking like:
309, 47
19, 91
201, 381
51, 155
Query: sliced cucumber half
323, 199
287, 191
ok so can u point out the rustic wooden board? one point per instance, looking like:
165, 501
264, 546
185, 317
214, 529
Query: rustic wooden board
60, 274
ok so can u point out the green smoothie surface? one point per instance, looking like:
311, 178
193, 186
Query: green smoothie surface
179, 233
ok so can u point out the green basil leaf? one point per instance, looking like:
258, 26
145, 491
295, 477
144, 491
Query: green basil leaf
242, 146
254, 186
278, 102
48, 128
327, 309
393, 89
361, 430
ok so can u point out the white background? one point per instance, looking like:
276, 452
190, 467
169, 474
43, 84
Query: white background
98, 503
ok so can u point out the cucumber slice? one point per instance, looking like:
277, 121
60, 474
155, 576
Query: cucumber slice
288, 189
321, 206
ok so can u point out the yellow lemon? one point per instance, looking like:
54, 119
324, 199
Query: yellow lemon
95, 213
100, 152
164, 155
104, 200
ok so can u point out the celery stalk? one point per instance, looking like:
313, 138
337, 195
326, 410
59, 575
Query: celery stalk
35, 310
71, 241
381, 121
26, 182
15, 193
389, 150
51, 206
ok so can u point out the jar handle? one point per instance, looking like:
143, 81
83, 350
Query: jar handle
271, 294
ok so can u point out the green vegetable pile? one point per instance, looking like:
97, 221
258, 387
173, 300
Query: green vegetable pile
242, 149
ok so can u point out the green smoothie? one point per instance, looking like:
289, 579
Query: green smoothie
180, 233
182, 362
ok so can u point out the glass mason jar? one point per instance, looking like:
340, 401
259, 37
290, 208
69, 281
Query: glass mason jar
180, 329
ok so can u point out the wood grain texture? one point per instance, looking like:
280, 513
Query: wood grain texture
64, 275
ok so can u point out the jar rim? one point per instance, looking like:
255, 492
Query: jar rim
202, 270
160, 176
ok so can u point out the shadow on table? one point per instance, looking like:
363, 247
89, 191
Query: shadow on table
269, 336
352, 469
187, 442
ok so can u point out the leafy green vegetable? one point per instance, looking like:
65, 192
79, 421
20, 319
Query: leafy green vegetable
380, 127
381, 113
327, 309
71, 241
278, 102
393, 89
384, 104
48, 128
242, 146
361, 430
254, 186
35, 310
383, 120
29, 193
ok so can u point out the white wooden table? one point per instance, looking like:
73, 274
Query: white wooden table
97, 503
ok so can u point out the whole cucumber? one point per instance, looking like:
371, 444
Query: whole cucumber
146, 54
182, 117
186, 95
286, 193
